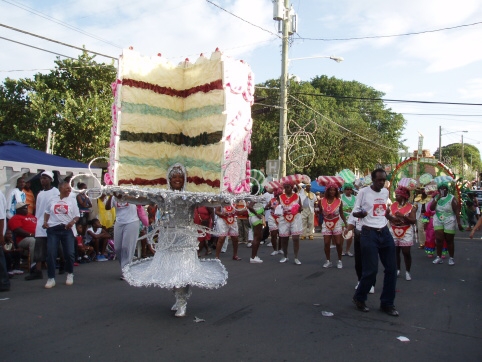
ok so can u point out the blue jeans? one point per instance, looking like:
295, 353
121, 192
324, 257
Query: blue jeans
55, 235
377, 243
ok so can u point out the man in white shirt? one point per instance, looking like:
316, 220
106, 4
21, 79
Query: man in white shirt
44, 197
4, 279
308, 200
376, 241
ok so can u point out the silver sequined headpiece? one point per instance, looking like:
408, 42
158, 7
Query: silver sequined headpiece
176, 169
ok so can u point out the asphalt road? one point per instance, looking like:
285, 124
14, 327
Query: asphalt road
266, 312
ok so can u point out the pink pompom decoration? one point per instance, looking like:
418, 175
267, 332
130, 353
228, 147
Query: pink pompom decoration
295, 208
107, 179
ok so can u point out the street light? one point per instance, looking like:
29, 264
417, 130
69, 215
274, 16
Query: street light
440, 141
283, 119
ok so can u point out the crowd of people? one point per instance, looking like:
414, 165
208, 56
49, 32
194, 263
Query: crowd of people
59, 229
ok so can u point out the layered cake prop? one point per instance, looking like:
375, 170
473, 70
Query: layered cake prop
197, 114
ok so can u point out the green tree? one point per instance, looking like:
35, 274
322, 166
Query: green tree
74, 100
348, 132
452, 155
17, 121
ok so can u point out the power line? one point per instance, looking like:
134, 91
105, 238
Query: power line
388, 100
377, 99
49, 18
35, 69
342, 127
240, 18
31, 46
393, 35
56, 41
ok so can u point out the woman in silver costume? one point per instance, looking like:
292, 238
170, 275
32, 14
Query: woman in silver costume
175, 265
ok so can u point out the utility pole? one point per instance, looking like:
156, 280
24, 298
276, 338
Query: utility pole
440, 143
463, 162
283, 121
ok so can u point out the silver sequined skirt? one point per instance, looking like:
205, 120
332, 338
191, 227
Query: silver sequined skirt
174, 269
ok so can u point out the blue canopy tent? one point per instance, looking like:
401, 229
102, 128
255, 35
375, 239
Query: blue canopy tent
18, 157
316, 188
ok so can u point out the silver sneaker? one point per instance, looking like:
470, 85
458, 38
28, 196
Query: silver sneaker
438, 260
328, 264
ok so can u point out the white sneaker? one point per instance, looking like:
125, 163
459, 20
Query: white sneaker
284, 260
408, 276
17, 272
50, 283
332, 246
70, 279
372, 290
451, 262
269, 244
356, 286
349, 254
280, 252
274, 253
328, 264
398, 273
438, 260
255, 260
297, 262
248, 245
339, 265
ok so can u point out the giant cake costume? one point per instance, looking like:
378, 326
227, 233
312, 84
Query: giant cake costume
197, 114
193, 119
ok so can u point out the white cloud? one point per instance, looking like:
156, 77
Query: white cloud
383, 87
472, 89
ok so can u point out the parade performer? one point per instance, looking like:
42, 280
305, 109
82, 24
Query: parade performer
333, 217
348, 200
289, 224
403, 217
175, 264
227, 225
420, 202
272, 218
446, 219
427, 219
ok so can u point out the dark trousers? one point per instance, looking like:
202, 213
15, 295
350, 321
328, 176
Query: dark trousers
374, 244
358, 257
4, 279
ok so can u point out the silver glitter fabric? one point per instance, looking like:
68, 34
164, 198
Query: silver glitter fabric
175, 263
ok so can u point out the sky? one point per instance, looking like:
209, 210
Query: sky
435, 66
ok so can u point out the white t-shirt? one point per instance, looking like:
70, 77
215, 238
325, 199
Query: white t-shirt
125, 213
87, 237
14, 196
43, 201
62, 211
3, 211
375, 204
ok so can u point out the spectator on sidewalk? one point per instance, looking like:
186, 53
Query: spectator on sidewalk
14, 196
23, 226
4, 279
29, 198
44, 197
97, 237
